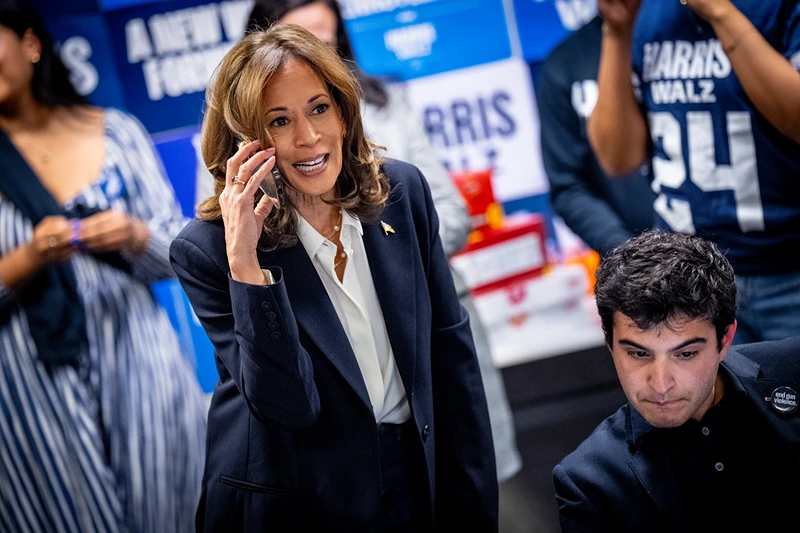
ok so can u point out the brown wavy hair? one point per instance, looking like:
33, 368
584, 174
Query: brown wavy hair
235, 112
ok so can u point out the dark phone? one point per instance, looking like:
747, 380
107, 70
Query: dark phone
272, 184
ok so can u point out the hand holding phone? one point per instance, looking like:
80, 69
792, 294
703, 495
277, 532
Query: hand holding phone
271, 184
245, 210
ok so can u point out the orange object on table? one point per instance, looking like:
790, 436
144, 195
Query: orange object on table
476, 188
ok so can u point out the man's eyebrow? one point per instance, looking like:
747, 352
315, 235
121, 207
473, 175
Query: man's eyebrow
632, 344
699, 340
695, 340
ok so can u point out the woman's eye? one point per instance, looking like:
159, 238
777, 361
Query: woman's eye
320, 109
278, 122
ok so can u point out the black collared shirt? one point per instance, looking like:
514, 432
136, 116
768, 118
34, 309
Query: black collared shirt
731, 466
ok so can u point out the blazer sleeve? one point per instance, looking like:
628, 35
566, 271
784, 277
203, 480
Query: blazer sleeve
576, 512
466, 475
255, 335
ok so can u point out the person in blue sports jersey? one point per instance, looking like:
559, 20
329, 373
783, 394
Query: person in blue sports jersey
603, 212
718, 114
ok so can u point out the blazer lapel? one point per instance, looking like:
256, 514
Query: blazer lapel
656, 476
650, 464
315, 314
759, 388
390, 251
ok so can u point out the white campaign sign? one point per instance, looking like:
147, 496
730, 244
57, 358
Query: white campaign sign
482, 117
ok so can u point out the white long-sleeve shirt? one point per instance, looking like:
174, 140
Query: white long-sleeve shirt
356, 303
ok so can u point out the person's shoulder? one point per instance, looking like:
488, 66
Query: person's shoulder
121, 118
124, 126
397, 96
402, 174
197, 230
604, 452
392, 117
205, 235
563, 57
408, 188
775, 359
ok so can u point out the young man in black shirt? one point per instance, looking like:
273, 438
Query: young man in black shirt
710, 437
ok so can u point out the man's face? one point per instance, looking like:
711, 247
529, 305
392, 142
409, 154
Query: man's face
668, 375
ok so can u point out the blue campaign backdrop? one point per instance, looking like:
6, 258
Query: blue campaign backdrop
167, 51
179, 155
542, 24
154, 58
407, 42
191, 336
84, 44
58, 8
110, 5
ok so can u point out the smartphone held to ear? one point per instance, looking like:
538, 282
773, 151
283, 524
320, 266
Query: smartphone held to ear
271, 184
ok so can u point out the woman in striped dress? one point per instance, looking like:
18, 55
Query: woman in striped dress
102, 421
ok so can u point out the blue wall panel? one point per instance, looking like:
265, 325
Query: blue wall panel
412, 41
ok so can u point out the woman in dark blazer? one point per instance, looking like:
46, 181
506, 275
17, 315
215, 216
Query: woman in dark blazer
350, 397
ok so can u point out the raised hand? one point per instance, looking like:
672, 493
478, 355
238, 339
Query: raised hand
244, 219
619, 15
113, 231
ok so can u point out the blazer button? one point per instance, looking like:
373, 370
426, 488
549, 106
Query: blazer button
271, 315
266, 305
425, 432
273, 325
276, 335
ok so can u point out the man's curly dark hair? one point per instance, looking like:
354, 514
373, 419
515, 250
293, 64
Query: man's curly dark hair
663, 279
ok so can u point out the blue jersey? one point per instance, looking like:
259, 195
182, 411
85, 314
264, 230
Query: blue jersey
720, 170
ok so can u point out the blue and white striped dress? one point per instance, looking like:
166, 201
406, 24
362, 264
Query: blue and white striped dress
118, 443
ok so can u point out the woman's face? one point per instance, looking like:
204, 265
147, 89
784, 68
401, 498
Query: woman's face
307, 129
16, 63
317, 18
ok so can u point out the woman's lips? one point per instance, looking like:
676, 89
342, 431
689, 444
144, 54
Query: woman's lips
312, 167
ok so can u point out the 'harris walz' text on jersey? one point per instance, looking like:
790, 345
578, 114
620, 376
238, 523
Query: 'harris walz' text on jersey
720, 170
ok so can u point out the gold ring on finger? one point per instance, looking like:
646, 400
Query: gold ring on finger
52, 242
237, 180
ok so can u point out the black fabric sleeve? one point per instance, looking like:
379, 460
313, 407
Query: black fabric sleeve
569, 163
262, 355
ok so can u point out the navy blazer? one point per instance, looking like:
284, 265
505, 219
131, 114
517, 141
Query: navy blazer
611, 483
292, 438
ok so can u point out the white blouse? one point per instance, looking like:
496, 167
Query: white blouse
356, 303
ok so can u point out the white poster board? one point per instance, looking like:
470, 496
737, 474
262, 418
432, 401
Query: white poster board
485, 116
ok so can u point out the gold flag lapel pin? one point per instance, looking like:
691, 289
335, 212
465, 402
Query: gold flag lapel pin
387, 229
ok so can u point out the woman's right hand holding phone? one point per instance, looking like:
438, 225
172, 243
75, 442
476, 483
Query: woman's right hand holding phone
243, 218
